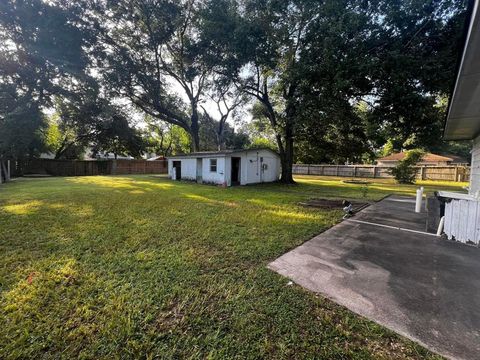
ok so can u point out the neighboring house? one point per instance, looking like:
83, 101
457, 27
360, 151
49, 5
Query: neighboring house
462, 212
228, 167
47, 155
155, 158
102, 155
428, 159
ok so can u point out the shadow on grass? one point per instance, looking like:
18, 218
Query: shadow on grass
92, 268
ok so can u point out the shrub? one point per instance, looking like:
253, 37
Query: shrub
405, 171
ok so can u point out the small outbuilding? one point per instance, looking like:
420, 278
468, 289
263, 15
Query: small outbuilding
227, 167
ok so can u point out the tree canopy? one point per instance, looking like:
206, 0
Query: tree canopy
323, 81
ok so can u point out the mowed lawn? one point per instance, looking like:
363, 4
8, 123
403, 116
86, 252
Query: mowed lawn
144, 267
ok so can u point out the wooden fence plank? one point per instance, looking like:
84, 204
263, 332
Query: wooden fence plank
444, 173
90, 167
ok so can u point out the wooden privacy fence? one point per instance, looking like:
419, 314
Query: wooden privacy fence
89, 167
445, 173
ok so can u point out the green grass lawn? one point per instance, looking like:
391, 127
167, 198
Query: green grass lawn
143, 267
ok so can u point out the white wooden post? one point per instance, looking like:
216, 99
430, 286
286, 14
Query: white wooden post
418, 201
422, 173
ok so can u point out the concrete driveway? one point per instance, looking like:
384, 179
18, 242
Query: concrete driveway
380, 264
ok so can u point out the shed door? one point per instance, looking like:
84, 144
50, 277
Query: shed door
177, 168
235, 176
199, 170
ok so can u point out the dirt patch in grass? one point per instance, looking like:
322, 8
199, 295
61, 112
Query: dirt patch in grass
333, 204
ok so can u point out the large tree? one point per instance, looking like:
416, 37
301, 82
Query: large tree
155, 58
41, 55
88, 119
415, 58
281, 48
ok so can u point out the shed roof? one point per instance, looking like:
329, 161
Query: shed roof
220, 153
428, 157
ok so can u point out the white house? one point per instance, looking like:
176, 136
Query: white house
228, 167
462, 211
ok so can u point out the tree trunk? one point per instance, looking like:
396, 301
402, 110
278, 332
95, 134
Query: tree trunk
221, 141
5, 173
287, 159
194, 130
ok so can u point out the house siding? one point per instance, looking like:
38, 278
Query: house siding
189, 168
217, 177
475, 168
252, 172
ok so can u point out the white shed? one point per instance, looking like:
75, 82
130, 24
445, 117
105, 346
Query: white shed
227, 168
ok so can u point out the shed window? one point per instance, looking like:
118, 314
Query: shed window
213, 165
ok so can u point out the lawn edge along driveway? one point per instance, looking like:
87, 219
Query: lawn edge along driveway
382, 266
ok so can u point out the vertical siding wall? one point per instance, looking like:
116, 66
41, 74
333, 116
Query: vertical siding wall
462, 221
251, 171
475, 167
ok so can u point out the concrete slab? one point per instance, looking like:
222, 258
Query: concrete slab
397, 211
419, 285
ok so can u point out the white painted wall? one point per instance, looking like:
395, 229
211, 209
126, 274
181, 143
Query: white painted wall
189, 168
251, 167
475, 167
217, 177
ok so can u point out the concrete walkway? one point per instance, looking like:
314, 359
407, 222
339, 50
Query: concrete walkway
381, 264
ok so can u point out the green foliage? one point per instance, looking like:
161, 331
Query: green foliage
405, 171
237, 140
21, 129
41, 55
115, 135
334, 80
60, 140
165, 139
263, 143
166, 33
93, 267
388, 148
